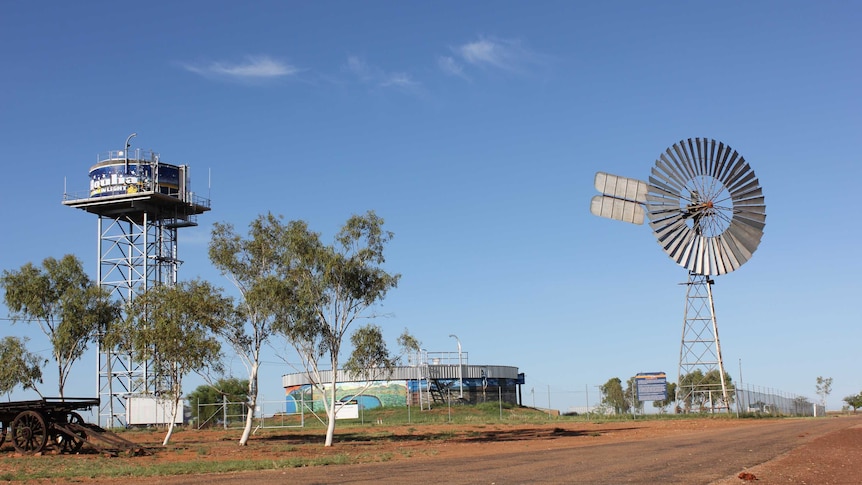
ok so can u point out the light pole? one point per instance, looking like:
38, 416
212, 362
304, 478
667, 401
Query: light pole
126, 151
460, 367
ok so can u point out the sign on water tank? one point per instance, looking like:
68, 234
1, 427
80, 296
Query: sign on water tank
118, 178
651, 386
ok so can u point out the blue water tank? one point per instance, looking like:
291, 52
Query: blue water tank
119, 177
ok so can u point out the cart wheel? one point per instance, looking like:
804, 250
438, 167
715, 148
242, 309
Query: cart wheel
29, 432
71, 443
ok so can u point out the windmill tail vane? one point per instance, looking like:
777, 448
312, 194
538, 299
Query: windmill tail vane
622, 198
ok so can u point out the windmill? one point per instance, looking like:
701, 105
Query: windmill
707, 211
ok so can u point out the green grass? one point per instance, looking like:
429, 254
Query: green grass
71, 467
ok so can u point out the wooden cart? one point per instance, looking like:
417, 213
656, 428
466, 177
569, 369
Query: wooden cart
33, 426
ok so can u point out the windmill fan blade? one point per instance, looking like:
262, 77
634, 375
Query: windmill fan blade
705, 206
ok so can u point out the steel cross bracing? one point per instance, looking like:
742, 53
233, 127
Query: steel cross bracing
134, 254
700, 361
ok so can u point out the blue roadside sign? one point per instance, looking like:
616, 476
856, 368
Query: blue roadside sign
651, 386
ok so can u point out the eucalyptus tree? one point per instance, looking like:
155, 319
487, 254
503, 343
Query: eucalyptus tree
176, 327
329, 288
370, 360
705, 390
20, 366
69, 308
258, 266
824, 389
669, 399
614, 397
637, 406
854, 401
208, 400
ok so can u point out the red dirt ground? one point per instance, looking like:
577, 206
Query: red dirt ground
839, 455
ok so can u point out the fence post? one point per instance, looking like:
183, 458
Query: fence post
224, 410
449, 403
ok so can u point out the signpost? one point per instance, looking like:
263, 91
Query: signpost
651, 386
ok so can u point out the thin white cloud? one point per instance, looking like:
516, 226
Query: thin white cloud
490, 52
398, 79
252, 68
378, 77
451, 67
358, 67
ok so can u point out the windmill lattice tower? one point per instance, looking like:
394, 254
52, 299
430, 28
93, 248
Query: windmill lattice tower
141, 203
707, 211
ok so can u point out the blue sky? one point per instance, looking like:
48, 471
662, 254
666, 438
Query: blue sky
474, 129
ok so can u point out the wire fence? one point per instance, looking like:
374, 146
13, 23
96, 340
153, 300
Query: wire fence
269, 414
755, 399
233, 415
295, 414
747, 399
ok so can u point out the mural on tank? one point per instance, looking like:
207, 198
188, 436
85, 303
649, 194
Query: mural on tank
379, 394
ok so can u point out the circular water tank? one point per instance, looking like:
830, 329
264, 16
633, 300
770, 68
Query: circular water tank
119, 177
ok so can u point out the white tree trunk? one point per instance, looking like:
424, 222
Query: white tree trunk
172, 424
330, 412
252, 403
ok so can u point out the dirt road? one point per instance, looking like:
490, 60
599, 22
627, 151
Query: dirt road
772, 448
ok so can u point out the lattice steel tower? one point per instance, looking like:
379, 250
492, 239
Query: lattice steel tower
141, 203
700, 351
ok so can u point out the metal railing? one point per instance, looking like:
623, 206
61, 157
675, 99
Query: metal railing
136, 155
437, 358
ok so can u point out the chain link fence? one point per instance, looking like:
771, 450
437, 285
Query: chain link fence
745, 400
762, 400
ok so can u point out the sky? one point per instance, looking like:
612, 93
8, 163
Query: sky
474, 129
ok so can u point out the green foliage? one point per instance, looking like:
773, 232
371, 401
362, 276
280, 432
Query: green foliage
325, 289
491, 406
670, 399
73, 469
631, 395
854, 401
370, 357
408, 343
175, 328
259, 267
696, 388
824, 388
613, 396
69, 308
231, 389
20, 367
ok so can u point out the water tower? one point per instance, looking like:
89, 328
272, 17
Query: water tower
141, 202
